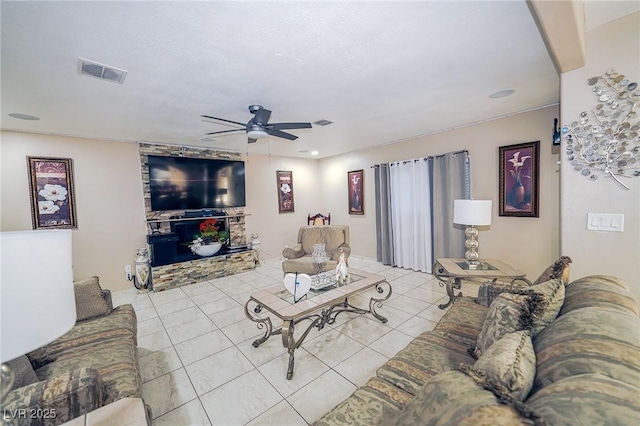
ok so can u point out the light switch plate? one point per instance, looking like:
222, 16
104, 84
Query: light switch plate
612, 222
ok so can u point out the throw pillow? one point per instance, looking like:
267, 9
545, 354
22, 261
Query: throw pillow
559, 269
546, 302
510, 362
508, 313
89, 300
23, 372
531, 308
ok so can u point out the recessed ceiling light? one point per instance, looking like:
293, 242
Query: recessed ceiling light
23, 116
314, 152
502, 94
303, 151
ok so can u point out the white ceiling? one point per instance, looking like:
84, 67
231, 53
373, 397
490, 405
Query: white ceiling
381, 71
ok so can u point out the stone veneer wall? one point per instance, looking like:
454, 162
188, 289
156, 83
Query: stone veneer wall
198, 270
193, 271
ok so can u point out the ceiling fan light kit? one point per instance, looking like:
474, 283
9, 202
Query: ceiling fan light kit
259, 128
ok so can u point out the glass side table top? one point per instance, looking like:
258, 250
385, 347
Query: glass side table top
484, 266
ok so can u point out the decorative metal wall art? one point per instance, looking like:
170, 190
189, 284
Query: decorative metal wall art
605, 140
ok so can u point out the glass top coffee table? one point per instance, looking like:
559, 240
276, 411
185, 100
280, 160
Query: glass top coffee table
320, 307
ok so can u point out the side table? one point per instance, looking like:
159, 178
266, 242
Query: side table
451, 272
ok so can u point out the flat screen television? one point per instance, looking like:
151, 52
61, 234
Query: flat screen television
179, 183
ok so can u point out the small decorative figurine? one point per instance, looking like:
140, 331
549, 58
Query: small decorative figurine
254, 244
341, 270
141, 279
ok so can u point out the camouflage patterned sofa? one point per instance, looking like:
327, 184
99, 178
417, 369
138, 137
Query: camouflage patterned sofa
581, 367
92, 365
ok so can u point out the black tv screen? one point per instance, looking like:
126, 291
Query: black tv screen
179, 183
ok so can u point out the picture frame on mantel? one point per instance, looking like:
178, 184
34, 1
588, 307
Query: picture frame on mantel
285, 191
52, 195
519, 180
355, 182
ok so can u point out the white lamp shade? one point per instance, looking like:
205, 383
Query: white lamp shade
36, 290
472, 212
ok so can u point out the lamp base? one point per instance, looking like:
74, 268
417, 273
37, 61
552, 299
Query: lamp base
473, 264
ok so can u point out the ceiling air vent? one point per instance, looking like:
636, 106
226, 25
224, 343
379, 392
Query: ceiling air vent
322, 122
103, 72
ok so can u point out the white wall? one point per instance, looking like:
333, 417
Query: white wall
279, 229
530, 244
614, 45
108, 190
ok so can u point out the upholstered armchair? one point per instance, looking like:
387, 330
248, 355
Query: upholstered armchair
298, 257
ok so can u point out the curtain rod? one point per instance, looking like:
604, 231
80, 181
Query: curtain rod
462, 151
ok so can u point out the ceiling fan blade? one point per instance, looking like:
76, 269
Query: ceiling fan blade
225, 131
262, 116
279, 134
285, 126
252, 140
222, 119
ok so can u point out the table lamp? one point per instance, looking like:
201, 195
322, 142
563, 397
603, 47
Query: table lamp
472, 213
36, 293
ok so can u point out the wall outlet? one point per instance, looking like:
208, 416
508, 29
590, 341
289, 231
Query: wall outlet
127, 272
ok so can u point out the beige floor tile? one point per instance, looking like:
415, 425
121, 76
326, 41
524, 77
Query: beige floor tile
167, 392
159, 363
229, 404
192, 414
306, 369
416, 326
361, 366
217, 369
193, 329
281, 414
391, 343
203, 346
332, 347
184, 316
321, 395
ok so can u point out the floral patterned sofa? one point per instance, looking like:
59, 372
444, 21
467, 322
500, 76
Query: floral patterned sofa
555, 353
92, 365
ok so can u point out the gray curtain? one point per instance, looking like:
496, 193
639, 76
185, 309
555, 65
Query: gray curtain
450, 182
384, 232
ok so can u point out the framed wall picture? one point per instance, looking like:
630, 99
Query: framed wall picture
519, 179
53, 203
355, 180
285, 191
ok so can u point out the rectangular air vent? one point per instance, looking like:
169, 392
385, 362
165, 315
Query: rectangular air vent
322, 122
103, 72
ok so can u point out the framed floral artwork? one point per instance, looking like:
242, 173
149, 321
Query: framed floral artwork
285, 191
355, 180
53, 203
519, 179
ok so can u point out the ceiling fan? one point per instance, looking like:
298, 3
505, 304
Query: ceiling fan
258, 127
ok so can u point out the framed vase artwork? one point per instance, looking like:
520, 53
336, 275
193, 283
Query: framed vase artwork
285, 191
355, 180
53, 203
519, 179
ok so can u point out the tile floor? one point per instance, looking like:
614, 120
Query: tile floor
199, 367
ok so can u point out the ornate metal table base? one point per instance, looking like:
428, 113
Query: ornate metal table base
451, 284
326, 316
